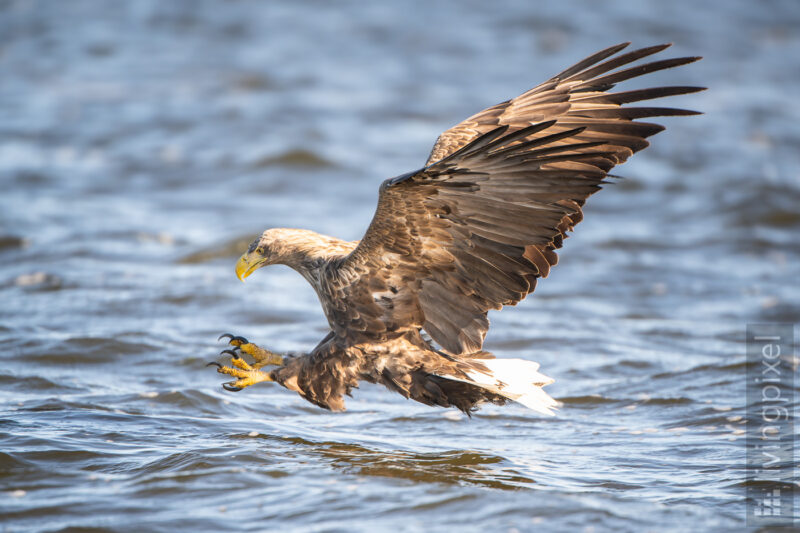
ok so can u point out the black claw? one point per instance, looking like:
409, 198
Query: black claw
233, 354
231, 338
214, 363
231, 388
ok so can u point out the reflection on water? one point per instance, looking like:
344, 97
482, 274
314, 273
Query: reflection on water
144, 145
453, 467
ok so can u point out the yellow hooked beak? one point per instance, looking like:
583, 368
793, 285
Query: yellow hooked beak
248, 263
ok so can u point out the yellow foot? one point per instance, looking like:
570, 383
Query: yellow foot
262, 356
245, 373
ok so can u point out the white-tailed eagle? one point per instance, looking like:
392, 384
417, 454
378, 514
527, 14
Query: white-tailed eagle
472, 230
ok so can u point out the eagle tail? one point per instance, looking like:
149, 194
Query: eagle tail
517, 380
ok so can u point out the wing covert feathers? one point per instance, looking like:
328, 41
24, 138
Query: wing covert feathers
476, 228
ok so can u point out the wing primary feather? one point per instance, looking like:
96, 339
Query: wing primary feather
618, 61
521, 147
526, 158
589, 61
631, 113
626, 97
521, 134
477, 144
564, 148
612, 79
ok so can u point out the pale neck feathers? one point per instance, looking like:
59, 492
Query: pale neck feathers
304, 249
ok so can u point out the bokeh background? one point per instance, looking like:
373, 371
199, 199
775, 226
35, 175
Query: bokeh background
143, 144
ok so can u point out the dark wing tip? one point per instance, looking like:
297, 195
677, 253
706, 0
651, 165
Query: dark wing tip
658, 47
611, 50
591, 60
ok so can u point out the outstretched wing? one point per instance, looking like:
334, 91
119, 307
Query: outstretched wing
474, 229
579, 92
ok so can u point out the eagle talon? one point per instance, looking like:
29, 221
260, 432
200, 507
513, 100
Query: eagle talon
235, 340
239, 368
261, 356
246, 373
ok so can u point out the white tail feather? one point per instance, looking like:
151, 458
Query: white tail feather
517, 380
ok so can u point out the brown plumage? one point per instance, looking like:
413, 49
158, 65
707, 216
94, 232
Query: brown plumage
471, 231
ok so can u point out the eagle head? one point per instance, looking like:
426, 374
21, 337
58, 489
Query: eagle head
296, 248
261, 252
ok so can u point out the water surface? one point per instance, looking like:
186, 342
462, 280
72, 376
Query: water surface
143, 144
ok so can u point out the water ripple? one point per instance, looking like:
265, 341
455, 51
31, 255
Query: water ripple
143, 146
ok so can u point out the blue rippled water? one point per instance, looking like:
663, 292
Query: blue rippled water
143, 144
